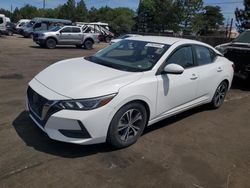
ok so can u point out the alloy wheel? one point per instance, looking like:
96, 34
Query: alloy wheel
220, 94
129, 124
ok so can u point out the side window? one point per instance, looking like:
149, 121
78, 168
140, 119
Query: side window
1, 20
183, 57
76, 30
37, 25
203, 55
66, 30
213, 55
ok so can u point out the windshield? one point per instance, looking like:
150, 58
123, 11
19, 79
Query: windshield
243, 37
56, 28
130, 55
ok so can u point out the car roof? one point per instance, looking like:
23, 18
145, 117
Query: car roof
38, 19
164, 40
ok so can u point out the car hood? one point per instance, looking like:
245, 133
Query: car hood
234, 44
78, 78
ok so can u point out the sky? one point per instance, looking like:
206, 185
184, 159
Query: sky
227, 6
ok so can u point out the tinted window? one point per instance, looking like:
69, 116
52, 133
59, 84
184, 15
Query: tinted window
66, 30
203, 55
183, 57
1, 20
76, 30
213, 55
37, 25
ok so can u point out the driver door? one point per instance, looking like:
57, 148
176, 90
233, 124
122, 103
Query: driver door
65, 36
176, 91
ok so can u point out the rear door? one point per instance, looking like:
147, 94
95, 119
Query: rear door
209, 71
77, 35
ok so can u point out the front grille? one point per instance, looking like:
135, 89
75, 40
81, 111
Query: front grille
36, 102
36, 105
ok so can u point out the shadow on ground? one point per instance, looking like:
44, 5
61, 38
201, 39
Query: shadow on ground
36, 138
57, 47
169, 121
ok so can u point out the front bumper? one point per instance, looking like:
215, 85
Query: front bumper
39, 40
78, 127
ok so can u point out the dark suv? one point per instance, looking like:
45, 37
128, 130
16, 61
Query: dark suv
238, 51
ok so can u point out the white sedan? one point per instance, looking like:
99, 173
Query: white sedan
113, 95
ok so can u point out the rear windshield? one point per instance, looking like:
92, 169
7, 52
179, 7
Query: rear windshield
243, 37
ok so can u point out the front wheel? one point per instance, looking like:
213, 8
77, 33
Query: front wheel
50, 43
127, 125
219, 95
10, 33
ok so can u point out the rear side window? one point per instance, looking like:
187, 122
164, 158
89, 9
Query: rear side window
183, 57
66, 30
76, 30
1, 20
204, 55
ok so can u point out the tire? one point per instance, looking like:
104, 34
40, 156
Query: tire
107, 39
88, 44
50, 43
10, 33
127, 125
219, 95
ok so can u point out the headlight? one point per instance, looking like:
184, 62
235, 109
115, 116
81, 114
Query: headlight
86, 104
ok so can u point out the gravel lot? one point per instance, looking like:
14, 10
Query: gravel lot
200, 148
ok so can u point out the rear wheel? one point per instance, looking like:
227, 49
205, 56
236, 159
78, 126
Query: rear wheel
219, 95
50, 43
127, 125
88, 44
107, 39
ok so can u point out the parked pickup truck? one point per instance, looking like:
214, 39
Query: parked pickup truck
66, 35
238, 51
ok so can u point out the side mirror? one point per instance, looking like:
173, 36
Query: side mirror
173, 69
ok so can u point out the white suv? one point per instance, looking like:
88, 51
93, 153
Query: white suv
112, 95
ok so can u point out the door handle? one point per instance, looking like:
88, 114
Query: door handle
219, 69
194, 77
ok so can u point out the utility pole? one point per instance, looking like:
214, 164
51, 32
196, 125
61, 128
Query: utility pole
43, 4
11, 8
231, 24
